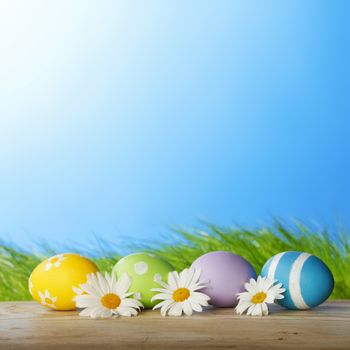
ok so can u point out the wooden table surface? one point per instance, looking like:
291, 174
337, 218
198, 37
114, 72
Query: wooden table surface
27, 325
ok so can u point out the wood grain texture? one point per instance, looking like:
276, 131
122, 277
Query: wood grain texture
27, 325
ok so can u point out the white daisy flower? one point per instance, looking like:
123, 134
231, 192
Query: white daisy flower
54, 261
105, 296
259, 293
180, 294
47, 299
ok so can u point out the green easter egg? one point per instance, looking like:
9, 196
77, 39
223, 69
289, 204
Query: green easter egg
142, 267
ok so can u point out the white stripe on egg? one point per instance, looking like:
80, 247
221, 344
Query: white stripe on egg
273, 266
294, 281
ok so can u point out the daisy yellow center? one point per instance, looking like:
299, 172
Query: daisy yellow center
54, 260
48, 301
110, 301
258, 298
181, 294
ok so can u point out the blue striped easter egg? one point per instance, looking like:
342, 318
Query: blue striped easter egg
306, 278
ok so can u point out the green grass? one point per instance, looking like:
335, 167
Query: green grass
256, 245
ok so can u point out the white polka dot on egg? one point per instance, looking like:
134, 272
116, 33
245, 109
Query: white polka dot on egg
141, 268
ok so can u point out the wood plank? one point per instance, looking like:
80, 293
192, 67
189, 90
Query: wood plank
27, 325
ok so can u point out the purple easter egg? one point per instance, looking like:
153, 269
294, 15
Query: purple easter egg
225, 274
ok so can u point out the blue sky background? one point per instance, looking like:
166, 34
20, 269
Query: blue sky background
122, 118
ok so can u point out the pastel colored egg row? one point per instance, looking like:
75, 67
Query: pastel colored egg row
307, 280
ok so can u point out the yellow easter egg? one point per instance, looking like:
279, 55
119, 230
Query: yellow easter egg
51, 282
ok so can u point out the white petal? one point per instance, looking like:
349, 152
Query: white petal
276, 290
162, 290
123, 284
253, 283
161, 296
195, 306
265, 309
163, 303
187, 278
83, 301
106, 313
90, 289
95, 284
175, 310
242, 307
173, 279
250, 309
77, 291
200, 297
108, 278
92, 286
126, 311
103, 283
200, 302
259, 283
158, 279
183, 277
166, 306
270, 299
279, 296
273, 293
131, 303
266, 285
196, 278
91, 311
136, 295
244, 296
187, 308
252, 289
86, 312
257, 310
100, 312
196, 286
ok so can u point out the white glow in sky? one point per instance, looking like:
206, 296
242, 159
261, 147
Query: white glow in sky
122, 118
